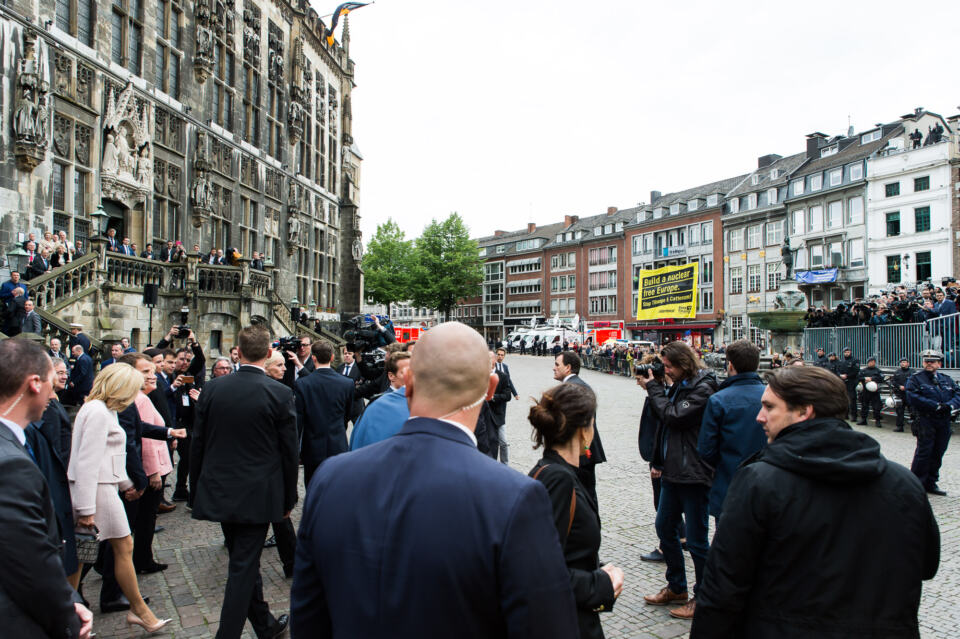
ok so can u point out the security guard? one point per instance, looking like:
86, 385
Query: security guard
933, 395
871, 377
899, 383
849, 371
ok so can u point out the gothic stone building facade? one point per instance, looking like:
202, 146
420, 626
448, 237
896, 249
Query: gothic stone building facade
221, 123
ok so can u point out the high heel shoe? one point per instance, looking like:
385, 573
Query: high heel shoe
134, 620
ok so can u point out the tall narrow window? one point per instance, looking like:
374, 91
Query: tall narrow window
223, 79
922, 218
126, 38
250, 126
167, 55
76, 18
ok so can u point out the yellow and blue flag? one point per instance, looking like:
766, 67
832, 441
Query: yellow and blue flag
342, 10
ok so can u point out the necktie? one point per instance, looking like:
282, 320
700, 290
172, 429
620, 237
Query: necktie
347, 371
29, 448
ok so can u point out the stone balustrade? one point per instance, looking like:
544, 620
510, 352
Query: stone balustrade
65, 282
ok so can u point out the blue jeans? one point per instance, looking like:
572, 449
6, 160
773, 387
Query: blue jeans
679, 502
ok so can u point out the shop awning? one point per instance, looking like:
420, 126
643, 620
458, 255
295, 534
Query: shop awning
527, 304
531, 260
530, 282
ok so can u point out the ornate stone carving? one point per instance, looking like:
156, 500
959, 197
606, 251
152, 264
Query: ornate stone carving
31, 124
249, 175
298, 203
275, 61
321, 99
221, 157
251, 34
173, 181
214, 20
126, 166
273, 184
81, 145
201, 191
62, 131
84, 85
62, 73
159, 171
302, 78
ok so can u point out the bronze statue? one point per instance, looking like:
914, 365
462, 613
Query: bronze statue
787, 256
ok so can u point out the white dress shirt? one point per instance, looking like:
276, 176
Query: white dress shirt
16, 430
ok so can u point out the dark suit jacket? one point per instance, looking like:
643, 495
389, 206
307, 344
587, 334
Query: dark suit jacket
163, 386
357, 400
37, 267
136, 429
243, 461
82, 375
441, 540
597, 456
80, 339
503, 394
324, 398
46, 438
36, 602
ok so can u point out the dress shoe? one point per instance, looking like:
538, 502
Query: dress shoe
898, 429
271, 542
117, 605
879, 424
165, 508
666, 596
280, 627
179, 497
653, 555
134, 620
154, 567
685, 611
157, 529
937, 491
863, 423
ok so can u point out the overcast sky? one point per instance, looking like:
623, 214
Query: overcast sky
516, 112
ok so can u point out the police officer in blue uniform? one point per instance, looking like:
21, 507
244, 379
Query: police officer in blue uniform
933, 396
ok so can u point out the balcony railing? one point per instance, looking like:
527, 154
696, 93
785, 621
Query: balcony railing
65, 282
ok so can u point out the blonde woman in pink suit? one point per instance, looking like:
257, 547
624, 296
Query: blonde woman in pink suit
97, 475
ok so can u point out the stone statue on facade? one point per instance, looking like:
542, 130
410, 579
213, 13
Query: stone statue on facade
126, 166
293, 231
786, 254
201, 192
31, 122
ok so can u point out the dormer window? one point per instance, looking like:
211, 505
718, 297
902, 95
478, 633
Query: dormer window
674, 208
796, 187
816, 182
658, 212
735, 205
830, 150
835, 176
752, 201
871, 136
569, 236
607, 229
559, 237
713, 199
619, 227
772, 196
775, 173
693, 205
597, 230
755, 179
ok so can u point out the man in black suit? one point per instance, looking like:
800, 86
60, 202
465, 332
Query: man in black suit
77, 337
81, 375
112, 243
324, 399
148, 253
35, 597
38, 266
56, 351
420, 534
566, 368
243, 469
349, 369
498, 405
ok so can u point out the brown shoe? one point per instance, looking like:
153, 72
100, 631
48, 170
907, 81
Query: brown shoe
666, 596
685, 611
166, 508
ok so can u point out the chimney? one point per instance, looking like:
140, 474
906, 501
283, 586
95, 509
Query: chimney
531, 227
499, 233
814, 143
767, 160
654, 196
611, 210
570, 220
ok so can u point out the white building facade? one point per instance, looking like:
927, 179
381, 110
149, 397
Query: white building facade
909, 209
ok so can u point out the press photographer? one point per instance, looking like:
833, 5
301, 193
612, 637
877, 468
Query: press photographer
366, 338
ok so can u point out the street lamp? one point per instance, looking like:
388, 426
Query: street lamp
100, 219
294, 310
17, 259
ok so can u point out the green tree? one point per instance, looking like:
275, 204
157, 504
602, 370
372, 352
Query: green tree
447, 265
387, 265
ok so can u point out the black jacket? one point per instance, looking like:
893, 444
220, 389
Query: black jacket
680, 414
243, 460
36, 602
899, 379
355, 376
592, 588
597, 456
874, 373
646, 438
503, 394
822, 537
323, 401
821, 361
849, 367
486, 432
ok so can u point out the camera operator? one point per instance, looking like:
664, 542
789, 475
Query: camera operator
685, 479
370, 388
298, 361
188, 376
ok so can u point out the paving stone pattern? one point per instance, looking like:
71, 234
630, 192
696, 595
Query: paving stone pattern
191, 590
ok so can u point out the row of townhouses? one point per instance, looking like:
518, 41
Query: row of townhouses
869, 210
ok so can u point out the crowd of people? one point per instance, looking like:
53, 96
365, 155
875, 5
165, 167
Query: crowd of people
901, 305
427, 528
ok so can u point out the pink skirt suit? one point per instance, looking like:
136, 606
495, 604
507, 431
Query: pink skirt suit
156, 455
98, 469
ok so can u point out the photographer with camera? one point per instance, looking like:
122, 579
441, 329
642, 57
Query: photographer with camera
649, 424
685, 479
188, 376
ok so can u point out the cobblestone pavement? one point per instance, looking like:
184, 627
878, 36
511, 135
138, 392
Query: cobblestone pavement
191, 590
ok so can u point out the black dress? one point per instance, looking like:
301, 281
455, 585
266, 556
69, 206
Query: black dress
592, 588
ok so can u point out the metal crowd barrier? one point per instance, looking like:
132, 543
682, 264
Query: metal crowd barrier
889, 343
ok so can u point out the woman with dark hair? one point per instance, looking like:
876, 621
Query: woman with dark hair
563, 424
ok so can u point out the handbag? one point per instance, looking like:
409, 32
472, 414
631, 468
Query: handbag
88, 545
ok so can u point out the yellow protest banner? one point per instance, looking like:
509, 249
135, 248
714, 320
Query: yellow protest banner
668, 292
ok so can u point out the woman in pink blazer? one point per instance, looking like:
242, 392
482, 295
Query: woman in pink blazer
156, 464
